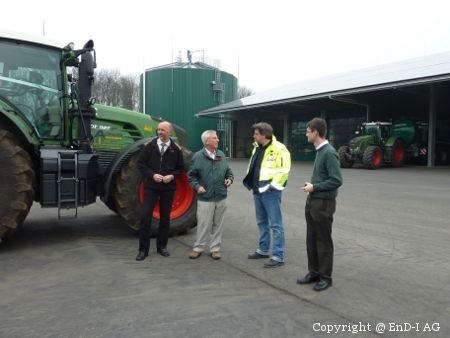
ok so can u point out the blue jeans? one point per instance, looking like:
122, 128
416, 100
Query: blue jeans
268, 217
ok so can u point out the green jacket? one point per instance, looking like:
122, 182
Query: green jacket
210, 174
326, 176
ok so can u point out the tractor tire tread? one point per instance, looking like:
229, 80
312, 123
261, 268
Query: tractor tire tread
18, 196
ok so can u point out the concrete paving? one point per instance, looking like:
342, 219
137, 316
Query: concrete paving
78, 278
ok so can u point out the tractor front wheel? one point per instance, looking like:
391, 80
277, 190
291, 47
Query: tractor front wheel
372, 157
129, 196
17, 181
345, 157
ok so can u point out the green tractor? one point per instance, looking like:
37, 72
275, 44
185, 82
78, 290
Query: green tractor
58, 148
386, 143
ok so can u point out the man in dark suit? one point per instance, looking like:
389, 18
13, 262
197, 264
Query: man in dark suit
160, 162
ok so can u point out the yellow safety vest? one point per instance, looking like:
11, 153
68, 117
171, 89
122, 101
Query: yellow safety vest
275, 166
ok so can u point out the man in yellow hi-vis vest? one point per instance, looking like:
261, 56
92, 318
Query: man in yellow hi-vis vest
267, 175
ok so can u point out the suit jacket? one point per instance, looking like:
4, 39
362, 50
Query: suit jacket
151, 162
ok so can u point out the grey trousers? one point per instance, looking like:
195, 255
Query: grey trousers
209, 225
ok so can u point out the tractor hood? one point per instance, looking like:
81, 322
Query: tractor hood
122, 115
145, 124
360, 141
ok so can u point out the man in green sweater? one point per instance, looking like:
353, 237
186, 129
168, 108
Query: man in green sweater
320, 207
210, 176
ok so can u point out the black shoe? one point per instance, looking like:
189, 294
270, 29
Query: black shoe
272, 264
322, 284
163, 252
309, 278
256, 255
141, 255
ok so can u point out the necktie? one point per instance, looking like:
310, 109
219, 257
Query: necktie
163, 148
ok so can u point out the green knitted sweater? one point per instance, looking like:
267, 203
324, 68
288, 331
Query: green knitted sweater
326, 176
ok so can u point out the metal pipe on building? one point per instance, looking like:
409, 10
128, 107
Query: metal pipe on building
432, 127
286, 130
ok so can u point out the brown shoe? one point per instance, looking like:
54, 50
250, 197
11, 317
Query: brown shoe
215, 255
194, 254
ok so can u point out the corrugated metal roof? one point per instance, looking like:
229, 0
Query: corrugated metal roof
413, 71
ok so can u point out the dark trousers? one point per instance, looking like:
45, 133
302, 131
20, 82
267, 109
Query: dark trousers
319, 244
151, 196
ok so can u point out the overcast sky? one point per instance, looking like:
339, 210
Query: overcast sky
265, 43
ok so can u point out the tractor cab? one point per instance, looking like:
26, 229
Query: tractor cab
31, 83
380, 131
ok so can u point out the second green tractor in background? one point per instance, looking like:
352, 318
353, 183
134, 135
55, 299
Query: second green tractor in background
386, 143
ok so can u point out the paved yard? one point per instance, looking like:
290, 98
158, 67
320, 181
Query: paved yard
78, 278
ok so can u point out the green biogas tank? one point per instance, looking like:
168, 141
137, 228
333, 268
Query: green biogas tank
406, 130
176, 92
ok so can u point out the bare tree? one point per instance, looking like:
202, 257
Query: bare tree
114, 89
129, 93
244, 91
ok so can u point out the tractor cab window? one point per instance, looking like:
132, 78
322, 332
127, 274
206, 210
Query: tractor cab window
372, 130
30, 81
385, 132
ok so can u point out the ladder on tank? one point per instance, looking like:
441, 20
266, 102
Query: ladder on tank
219, 87
67, 195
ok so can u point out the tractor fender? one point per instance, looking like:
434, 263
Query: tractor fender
18, 126
116, 164
391, 140
362, 142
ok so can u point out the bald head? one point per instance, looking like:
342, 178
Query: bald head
164, 130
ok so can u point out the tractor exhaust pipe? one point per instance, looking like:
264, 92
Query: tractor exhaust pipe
86, 109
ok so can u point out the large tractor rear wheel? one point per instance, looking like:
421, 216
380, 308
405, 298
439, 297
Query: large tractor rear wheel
345, 157
129, 196
16, 183
372, 157
398, 153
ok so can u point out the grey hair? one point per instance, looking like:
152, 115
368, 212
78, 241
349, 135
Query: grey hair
206, 134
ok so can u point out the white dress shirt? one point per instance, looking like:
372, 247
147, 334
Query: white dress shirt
211, 154
322, 144
160, 143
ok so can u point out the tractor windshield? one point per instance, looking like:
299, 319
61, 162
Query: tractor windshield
370, 129
30, 81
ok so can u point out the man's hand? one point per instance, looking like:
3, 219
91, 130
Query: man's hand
308, 187
228, 182
157, 178
201, 190
168, 178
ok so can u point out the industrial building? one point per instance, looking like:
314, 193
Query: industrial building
417, 89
